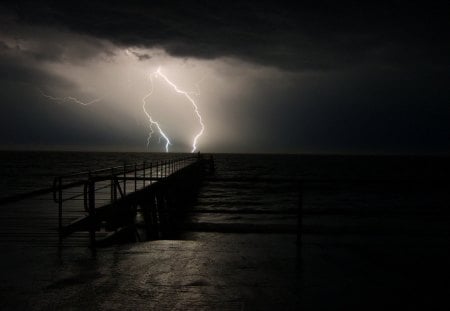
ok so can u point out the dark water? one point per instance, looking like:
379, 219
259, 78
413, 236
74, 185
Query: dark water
22, 172
340, 194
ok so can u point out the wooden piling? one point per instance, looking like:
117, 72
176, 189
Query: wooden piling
300, 215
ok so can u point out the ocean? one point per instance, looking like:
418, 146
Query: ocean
339, 194
330, 184
24, 172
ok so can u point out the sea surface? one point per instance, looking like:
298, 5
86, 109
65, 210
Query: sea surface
329, 181
338, 194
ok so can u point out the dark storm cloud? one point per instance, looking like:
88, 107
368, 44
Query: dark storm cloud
367, 76
295, 37
347, 112
3, 47
45, 45
20, 69
141, 56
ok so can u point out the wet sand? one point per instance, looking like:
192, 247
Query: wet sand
226, 271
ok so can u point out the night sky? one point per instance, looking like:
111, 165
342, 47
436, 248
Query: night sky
353, 77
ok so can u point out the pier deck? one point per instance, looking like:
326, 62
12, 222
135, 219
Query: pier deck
64, 216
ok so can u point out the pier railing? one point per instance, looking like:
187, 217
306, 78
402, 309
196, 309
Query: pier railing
81, 192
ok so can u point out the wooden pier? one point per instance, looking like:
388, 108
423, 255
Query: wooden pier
132, 202
138, 201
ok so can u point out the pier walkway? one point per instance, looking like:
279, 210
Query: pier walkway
87, 208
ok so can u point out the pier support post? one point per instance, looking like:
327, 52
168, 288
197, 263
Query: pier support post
60, 202
124, 179
161, 207
143, 175
92, 222
135, 177
300, 214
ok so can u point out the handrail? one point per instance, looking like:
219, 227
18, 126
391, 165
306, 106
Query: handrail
142, 165
76, 174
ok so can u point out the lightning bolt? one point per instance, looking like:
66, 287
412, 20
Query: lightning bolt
153, 122
70, 99
191, 100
